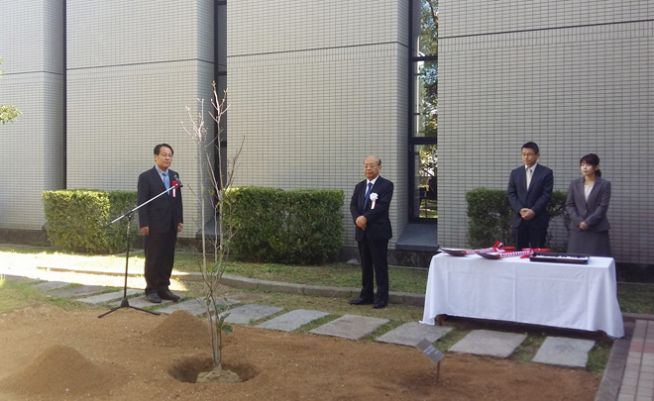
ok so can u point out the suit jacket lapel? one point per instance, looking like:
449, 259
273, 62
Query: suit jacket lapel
157, 178
362, 198
580, 197
592, 197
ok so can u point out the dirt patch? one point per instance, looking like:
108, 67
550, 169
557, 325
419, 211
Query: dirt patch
126, 347
62, 370
181, 328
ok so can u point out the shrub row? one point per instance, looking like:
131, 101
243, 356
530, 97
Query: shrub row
78, 220
489, 215
293, 226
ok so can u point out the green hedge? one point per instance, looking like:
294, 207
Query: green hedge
489, 215
294, 226
77, 220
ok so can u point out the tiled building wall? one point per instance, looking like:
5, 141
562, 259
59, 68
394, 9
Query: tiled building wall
31, 45
132, 68
574, 76
313, 88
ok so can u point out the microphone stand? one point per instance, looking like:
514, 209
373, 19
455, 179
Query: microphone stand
129, 215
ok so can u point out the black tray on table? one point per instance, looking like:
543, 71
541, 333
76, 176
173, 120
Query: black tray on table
454, 251
559, 257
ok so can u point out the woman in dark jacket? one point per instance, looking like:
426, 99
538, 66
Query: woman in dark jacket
587, 204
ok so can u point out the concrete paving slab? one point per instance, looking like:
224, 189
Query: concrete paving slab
193, 306
487, 342
141, 302
108, 296
352, 327
77, 291
51, 285
412, 333
292, 320
246, 314
563, 351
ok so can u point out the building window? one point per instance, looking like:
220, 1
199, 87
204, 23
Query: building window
423, 139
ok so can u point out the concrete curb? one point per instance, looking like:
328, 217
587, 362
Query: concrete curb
231, 280
609, 386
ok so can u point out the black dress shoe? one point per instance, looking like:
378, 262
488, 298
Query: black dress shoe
360, 301
167, 294
153, 297
380, 305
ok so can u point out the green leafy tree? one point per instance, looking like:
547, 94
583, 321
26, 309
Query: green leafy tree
7, 112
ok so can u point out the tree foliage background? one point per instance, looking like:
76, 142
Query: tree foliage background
7, 112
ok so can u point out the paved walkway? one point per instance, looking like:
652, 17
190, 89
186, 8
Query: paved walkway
637, 383
638, 380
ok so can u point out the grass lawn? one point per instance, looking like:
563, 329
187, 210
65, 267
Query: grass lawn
633, 297
404, 279
16, 295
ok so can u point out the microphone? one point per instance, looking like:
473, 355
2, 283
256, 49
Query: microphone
175, 183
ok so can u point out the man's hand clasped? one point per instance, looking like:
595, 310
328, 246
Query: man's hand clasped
527, 214
361, 222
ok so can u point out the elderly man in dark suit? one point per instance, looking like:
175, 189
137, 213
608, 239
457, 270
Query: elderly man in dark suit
529, 192
369, 208
160, 221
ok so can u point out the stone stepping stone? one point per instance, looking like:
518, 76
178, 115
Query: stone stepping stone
487, 342
412, 333
564, 352
50, 285
194, 306
140, 302
108, 296
292, 320
78, 291
246, 314
352, 327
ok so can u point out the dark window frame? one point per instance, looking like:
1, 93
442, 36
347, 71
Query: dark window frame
413, 140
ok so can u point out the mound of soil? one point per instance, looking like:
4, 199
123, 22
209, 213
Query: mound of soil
181, 328
60, 371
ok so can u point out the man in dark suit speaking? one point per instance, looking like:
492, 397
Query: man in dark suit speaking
529, 193
160, 221
369, 209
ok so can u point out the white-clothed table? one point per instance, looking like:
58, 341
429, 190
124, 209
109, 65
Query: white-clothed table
575, 296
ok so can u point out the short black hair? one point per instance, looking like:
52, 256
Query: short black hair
532, 146
157, 148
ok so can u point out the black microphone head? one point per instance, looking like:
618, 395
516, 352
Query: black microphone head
177, 180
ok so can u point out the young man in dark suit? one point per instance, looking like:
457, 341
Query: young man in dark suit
369, 208
529, 193
160, 221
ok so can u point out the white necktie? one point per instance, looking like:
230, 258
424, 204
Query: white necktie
530, 172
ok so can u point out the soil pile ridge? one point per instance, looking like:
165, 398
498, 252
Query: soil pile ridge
60, 370
181, 329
